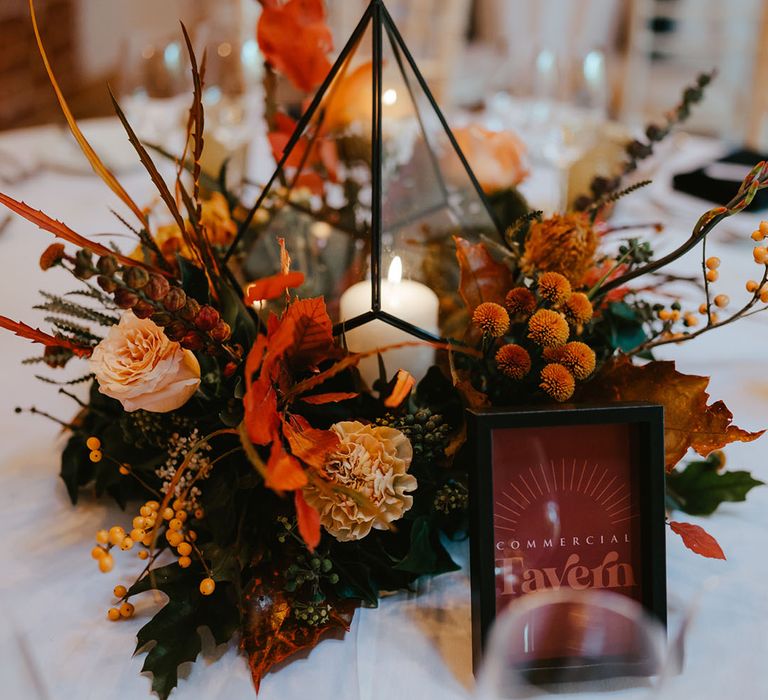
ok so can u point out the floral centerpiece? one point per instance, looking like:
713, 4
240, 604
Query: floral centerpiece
267, 490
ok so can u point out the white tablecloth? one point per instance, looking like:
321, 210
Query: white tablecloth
56, 643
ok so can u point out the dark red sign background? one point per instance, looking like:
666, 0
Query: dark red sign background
566, 511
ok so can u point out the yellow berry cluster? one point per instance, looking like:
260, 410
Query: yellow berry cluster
550, 315
125, 609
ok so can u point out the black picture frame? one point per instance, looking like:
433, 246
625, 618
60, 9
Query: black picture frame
647, 427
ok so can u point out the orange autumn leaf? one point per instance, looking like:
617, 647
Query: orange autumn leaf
689, 421
333, 397
261, 418
403, 385
482, 278
311, 445
698, 540
350, 99
272, 287
295, 40
37, 336
284, 472
254, 359
271, 634
312, 332
308, 520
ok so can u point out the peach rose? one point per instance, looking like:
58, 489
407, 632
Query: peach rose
497, 158
372, 460
140, 367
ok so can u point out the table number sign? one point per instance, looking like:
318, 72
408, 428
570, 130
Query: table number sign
567, 497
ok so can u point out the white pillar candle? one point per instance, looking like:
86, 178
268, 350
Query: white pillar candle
410, 301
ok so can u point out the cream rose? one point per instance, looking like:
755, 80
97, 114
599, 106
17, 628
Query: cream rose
497, 158
140, 367
373, 461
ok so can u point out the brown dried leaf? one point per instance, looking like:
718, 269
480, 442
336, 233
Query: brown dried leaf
271, 633
482, 278
698, 540
689, 421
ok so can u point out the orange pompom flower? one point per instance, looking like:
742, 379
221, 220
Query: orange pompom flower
520, 302
578, 308
579, 358
548, 328
492, 319
557, 382
51, 256
513, 361
554, 288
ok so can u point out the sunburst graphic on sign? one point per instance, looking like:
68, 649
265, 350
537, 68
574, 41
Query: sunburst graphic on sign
588, 486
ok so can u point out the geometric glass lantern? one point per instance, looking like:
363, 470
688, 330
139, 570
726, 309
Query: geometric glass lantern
369, 191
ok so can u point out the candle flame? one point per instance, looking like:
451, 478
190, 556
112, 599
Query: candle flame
395, 273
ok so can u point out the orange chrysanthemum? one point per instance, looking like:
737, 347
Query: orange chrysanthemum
578, 308
520, 302
554, 288
51, 256
513, 361
548, 328
562, 243
492, 319
557, 382
579, 358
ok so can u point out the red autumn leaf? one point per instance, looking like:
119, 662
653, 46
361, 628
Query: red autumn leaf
294, 38
272, 287
318, 399
38, 336
309, 154
405, 382
310, 445
698, 540
261, 418
272, 634
308, 520
312, 332
689, 421
284, 472
254, 359
482, 278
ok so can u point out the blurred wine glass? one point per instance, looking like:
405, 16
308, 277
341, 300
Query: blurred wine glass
154, 85
574, 642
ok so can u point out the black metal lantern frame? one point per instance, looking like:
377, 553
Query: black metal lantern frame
378, 19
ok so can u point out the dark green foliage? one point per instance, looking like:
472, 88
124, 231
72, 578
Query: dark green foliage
699, 488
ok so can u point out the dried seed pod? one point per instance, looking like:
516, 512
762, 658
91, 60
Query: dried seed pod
207, 318
190, 310
176, 330
192, 341
157, 287
143, 309
106, 283
222, 332
175, 299
125, 298
161, 318
107, 265
136, 277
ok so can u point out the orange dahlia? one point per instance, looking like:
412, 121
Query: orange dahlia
554, 288
513, 361
492, 319
557, 382
578, 308
579, 358
548, 328
520, 302
562, 243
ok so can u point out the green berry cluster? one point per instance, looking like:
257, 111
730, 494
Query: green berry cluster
427, 431
309, 571
312, 614
451, 498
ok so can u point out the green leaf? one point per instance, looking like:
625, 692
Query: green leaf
76, 468
427, 554
699, 488
174, 633
355, 581
193, 280
622, 310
